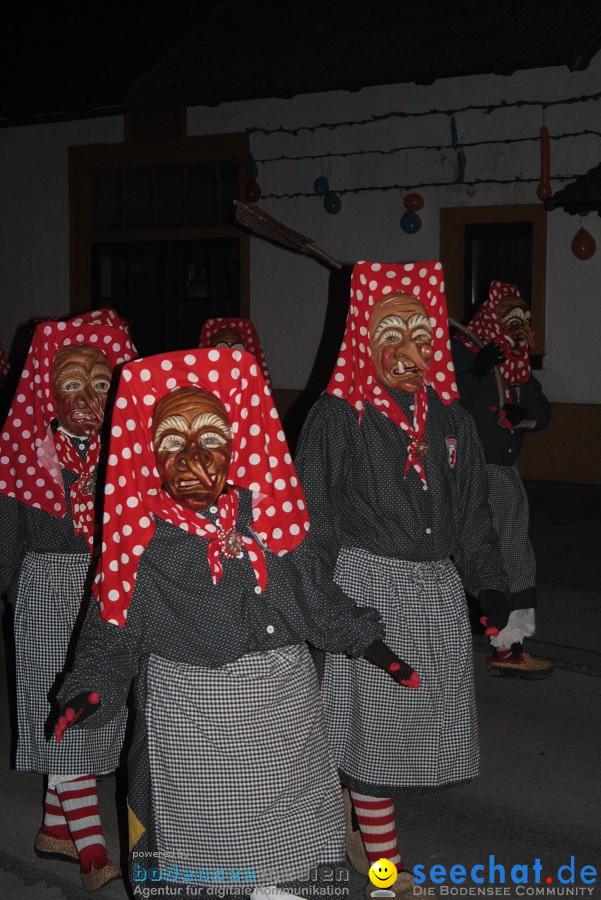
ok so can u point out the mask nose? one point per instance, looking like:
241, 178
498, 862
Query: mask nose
410, 350
197, 462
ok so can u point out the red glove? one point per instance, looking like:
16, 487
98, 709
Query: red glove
379, 654
77, 709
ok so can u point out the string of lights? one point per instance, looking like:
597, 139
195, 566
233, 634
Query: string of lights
413, 186
400, 114
438, 147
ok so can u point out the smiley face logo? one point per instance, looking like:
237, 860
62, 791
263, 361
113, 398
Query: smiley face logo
383, 873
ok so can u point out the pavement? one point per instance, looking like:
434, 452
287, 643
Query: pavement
538, 797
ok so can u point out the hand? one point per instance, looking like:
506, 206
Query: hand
486, 359
514, 413
77, 709
495, 607
379, 654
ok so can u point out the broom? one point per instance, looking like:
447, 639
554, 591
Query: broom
259, 222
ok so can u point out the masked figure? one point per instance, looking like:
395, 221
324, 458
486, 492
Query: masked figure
396, 490
238, 334
50, 454
205, 590
503, 324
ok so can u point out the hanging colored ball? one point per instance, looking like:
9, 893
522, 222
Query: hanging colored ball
253, 191
583, 244
413, 202
332, 203
321, 186
410, 222
252, 170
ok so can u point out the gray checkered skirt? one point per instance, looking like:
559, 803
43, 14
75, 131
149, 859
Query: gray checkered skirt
48, 602
241, 774
389, 740
510, 515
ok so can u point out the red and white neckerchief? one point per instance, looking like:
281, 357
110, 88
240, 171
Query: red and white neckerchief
261, 463
4, 363
249, 335
30, 455
486, 325
354, 377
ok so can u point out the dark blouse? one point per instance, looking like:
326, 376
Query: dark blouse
26, 529
501, 446
358, 495
178, 613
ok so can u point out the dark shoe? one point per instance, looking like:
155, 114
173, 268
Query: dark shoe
355, 849
519, 665
48, 847
97, 878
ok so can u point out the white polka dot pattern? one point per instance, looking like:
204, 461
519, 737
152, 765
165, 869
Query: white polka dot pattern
354, 377
486, 325
249, 334
34, 451
260, 463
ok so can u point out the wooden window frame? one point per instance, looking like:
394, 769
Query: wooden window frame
84, 161
452, 254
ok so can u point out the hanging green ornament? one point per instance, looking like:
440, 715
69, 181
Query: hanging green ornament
252, 170
332, 203
460, 166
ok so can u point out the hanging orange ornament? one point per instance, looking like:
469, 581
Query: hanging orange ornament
583, 244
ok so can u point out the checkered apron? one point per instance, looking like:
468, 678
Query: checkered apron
49, 596
509, 506
241, 774
387, 736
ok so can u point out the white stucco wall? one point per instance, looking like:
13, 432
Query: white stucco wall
288, 291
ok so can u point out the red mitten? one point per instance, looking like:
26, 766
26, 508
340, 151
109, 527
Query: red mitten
77, 709
379, 654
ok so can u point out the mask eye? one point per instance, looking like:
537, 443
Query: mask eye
222, 344
238, 346
101, 385
172, 443
211, 440
391, 336
72, 386
422, 336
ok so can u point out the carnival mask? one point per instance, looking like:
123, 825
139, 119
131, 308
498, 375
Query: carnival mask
514, 317
193, 446
228, 337
400, 335
81, 378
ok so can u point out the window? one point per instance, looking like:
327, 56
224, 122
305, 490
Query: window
509, 243
153, 235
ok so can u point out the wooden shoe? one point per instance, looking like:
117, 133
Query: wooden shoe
97, 878
519, 665
355, 848
48, 847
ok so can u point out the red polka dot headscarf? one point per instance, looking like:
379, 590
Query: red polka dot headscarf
261, 463
486, 325
30, 455
247, 330
354, 377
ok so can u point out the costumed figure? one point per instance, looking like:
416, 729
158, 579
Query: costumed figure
48, 462
502, 323
396, 489
206, 592
239, 334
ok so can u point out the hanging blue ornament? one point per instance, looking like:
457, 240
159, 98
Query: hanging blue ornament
332, 203
321, 186
454, 139
410, 222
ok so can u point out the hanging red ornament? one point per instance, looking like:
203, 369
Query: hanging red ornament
252, 192
583, 244
544, 186
413, 202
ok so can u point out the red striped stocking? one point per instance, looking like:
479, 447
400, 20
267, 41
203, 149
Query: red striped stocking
375, 816
79, 801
